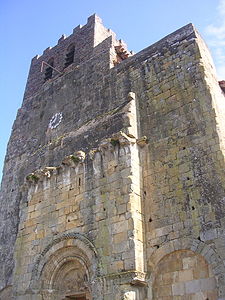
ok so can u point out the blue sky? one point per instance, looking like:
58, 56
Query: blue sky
27, 27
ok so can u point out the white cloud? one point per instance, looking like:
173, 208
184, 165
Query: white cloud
221, 7
216, 33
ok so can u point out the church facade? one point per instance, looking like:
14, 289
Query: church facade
114, 184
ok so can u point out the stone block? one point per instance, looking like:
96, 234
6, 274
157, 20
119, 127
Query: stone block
119, 227
208, 284
120, 237
185, 275
193, 286
178, 289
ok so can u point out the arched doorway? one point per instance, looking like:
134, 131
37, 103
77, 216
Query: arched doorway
66, 275
183, 275
67, 268
71, 279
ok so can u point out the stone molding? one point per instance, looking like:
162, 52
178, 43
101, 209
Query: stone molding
128, 277
119, 138
84, 242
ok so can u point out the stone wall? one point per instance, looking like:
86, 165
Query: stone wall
80, 99
182, 105
184, 273
104, 211
117, 168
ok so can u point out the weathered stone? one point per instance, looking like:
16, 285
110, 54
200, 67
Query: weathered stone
113, 183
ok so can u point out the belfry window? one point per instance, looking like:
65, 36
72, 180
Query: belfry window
49, 69
69, 56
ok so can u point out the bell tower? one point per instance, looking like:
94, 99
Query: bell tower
113, 184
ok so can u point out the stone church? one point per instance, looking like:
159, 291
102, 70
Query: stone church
114, 184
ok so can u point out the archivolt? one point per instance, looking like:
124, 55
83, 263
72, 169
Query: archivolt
197, 246
64, 246
210, 255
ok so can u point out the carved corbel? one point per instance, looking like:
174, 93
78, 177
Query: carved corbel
32, 177
123, 139
92, 153
48, 171
81, 155
142, 141
74, 159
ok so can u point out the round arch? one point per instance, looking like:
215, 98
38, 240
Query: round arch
69, 265
197, 247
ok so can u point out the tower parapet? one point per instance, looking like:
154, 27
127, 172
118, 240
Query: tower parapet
84, 43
